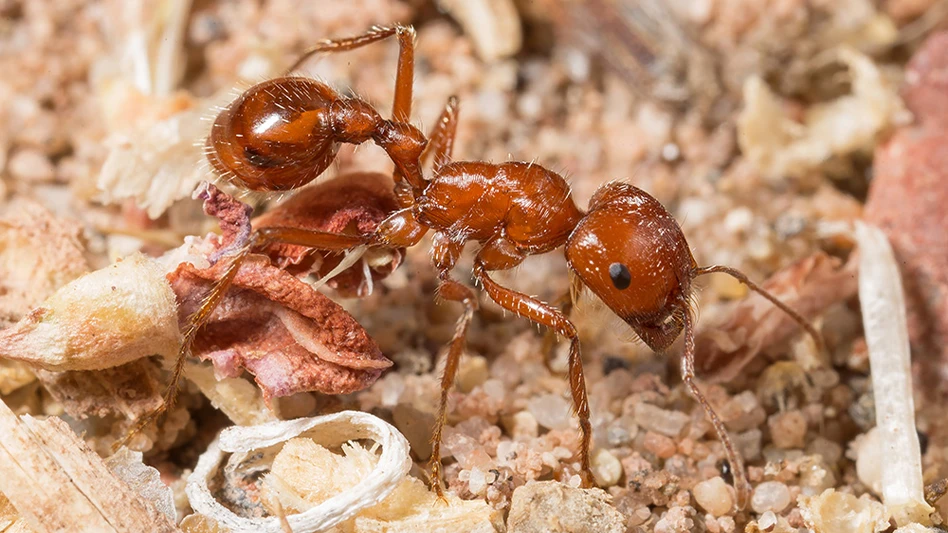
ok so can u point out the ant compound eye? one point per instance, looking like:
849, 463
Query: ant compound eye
620, 275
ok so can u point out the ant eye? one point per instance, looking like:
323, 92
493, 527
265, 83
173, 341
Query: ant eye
620, 275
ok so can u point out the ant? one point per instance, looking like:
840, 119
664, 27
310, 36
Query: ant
626, 247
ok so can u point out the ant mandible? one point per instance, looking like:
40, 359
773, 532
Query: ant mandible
626, 248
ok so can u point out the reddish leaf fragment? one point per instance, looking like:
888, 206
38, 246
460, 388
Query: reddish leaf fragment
753, 324
353, 203
289, 336
908, 195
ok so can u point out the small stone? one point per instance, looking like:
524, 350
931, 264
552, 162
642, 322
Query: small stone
676, 520
31, 165
714, 496
662, 446
416, 426
521, 425
770, 496
551, 411
767, 521
472, 372
788, 429
669, 423
606, 468
552, 507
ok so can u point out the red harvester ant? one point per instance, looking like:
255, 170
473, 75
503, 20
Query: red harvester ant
626, 248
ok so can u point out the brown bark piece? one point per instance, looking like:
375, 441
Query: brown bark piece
131, 390
753, 324
58, 484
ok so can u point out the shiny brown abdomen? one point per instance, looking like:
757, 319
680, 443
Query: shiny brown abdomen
276, 136
528, 204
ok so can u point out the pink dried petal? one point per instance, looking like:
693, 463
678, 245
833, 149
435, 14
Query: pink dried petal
907, 200
291, 337
353, 203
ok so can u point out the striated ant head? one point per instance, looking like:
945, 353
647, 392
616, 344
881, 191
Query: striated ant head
283, 133
632, 254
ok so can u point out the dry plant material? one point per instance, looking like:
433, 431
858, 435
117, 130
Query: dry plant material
839, 512
907, 200
104, 319
131, 390
56, 482
237, 398
127, 465
752, 325
277, 327
493, 25
883, 315
331, 430
354, 203
779, 146
552, 507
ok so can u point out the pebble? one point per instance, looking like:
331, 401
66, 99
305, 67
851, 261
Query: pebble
767, 521
31, 165
551, 411
606, 468
714, 496
472, 372
770, 496
787, 429
521, 425
652, 418
662, 446
552, 507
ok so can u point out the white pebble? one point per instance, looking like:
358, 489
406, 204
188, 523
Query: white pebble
767, 521
606, 468
770, 496
669, 423
31, 165
714, 496
552, 411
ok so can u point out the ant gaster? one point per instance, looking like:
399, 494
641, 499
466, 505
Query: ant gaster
626, 248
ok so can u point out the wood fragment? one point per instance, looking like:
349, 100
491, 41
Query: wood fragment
58, 484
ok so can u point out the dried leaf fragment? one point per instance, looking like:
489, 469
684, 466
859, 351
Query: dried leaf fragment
753, 324
106, 318
393, 464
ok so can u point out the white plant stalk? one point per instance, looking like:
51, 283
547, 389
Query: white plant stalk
883, 315
336, 428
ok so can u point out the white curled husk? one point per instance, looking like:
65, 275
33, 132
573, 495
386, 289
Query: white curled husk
883, 315
393, 465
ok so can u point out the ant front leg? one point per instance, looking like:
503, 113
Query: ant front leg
688, 377
551, 317
258, 239
446, 253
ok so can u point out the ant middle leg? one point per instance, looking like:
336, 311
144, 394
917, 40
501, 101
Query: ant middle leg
446, 253
551, 317
441, 145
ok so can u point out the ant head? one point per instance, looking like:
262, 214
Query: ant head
276, 136
631, 253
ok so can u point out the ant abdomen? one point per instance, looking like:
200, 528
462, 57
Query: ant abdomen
282, 134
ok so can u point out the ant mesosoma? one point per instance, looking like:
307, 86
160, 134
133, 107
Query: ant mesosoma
626, 248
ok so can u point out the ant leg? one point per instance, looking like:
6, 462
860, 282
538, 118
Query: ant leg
565, 303
547, 315
688, 377
192, 326
442, 138
739, 276
446, 253
406, 59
